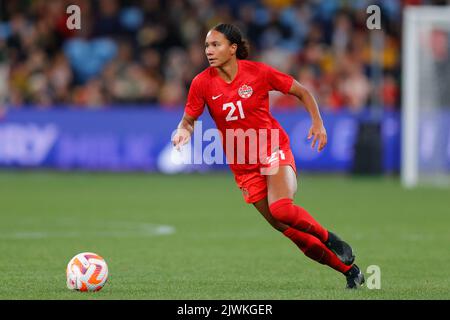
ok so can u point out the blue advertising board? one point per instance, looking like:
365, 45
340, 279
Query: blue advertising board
136, 139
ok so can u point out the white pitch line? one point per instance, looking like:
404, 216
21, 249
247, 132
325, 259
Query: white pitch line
136, 230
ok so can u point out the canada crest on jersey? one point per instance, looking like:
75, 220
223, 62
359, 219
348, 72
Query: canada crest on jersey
245, 91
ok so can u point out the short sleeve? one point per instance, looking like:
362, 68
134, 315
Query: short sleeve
195, 102
277, 80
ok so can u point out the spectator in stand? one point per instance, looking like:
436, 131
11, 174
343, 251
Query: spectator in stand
145, 53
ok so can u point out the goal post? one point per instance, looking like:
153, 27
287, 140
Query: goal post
426, 96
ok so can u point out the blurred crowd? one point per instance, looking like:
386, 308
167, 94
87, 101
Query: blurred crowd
145, 53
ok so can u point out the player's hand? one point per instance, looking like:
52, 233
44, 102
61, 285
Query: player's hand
181, 137
319, 134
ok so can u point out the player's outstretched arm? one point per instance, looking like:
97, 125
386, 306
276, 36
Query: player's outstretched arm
184, 131
317, 130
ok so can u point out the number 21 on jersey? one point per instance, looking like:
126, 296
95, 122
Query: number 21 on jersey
232, 116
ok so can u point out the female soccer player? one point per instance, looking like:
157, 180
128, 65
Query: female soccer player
236, 93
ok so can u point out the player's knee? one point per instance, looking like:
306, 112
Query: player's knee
281, 209
278, 225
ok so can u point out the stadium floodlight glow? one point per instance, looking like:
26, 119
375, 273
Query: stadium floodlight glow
426, 96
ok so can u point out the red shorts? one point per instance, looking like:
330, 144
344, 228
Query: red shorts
253, 182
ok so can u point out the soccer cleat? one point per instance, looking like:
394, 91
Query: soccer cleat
340, 248
354, 277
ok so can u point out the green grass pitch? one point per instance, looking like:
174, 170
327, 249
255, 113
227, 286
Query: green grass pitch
193, 237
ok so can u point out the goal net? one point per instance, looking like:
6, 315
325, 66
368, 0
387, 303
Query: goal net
426, 96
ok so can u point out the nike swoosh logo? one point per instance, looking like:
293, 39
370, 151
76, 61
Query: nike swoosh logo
215, 97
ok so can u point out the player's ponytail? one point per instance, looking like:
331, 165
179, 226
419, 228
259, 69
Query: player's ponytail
242, 50
234, 35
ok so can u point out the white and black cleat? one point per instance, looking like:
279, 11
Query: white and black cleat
355, 278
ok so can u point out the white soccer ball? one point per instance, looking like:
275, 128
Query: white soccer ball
86, 271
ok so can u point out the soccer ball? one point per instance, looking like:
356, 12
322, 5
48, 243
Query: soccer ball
86, 271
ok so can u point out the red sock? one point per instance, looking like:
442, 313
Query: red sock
316, 250
296, 217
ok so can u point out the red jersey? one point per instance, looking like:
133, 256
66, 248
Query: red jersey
241, 106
